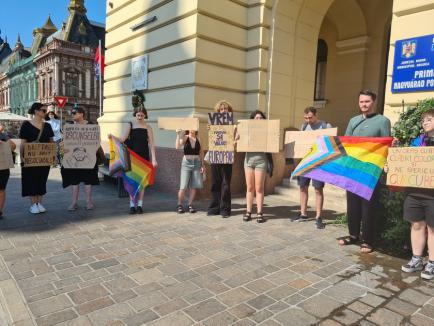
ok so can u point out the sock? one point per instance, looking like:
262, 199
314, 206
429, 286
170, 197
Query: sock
417, 257
132, 204
140, 203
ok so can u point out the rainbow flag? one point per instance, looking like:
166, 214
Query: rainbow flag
352, 163
140, 176
119, 157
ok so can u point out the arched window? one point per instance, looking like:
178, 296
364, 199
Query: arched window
321, 69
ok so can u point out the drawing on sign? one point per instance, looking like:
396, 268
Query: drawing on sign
411, 167
258, 136
221, 138
81, 143
39, 154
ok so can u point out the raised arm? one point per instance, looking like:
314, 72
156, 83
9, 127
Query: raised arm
181, 138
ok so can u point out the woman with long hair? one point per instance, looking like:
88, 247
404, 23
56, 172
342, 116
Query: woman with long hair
191, 168
34, 179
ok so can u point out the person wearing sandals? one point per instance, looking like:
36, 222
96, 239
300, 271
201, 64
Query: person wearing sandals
34, 178
4, 173
191, 168
140, 139
419, 211
360, 210
73, 177
255, 170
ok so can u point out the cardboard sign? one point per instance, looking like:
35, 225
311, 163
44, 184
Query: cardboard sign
39, 154
178, 123
221, 144
216, 118
299, 143
258, 136
80, 143
6, 160
411, 167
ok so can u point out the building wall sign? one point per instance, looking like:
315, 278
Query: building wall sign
413, 66
139, 73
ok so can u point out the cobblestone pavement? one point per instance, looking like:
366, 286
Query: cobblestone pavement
105, 267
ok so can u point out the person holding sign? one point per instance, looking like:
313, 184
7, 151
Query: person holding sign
221, 174
359, 210
74, 176
34, 178
140, 139
419, 211
255, 169
191, 169
54, 121
4, 172
312, 122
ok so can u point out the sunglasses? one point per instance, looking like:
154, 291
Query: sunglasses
74, 112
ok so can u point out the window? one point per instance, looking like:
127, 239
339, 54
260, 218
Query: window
321, 69
43, 88
50, 85
71, 84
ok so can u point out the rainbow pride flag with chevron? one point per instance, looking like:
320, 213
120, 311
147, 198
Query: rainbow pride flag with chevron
352, 163
140, 172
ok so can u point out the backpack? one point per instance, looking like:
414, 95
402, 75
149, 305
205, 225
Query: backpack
323, 125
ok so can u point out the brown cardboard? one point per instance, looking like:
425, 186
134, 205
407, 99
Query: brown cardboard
299, 143
6, 159
81, 141
39, 154
258, 136
178, 123
221, 144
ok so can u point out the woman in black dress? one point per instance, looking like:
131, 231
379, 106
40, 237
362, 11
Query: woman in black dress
140, 139
34, 179
73, 177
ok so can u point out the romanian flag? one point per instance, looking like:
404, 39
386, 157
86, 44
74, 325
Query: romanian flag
99, 63
352, 163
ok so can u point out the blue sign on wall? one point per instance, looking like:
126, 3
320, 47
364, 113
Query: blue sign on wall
413, 65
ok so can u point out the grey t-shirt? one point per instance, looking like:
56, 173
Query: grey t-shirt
319, 125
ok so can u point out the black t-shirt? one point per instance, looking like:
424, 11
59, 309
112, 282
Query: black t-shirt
30, 133
3, 137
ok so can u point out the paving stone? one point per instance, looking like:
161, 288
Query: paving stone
421, 320
319, 305
104, 263
80, 321
63, 266
66, 257
261, 302
89, 306
281, 292
345, 292
260, 316
235, 296
372, 300
260, 286
171, 306
147, 276
223, 318
124, 296
347, 317
88, 294
188, 275
197, 296
427, 310
309, 292
295, 317
329, 322
242, 311
204, 309
178, 318
141, 318
414, 297
282, 277
111, 314
120, 284
278, 307
74, 271
147, 288
147, 301
360, 307
50, 305
56, 317
401, 307
300, 283
294, 299
384, 316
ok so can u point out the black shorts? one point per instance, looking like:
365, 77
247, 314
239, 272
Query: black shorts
418, 209
4, 177
304, 182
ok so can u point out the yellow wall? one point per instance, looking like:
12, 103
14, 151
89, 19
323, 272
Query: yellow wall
410, 19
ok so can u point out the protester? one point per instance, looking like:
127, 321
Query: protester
367, 124
4, 174
221, 175
55, 124
256, 165
34, 179
192, 168
312, 122
419, 211
73, 177
140, 139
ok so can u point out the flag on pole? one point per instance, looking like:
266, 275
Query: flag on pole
99, 63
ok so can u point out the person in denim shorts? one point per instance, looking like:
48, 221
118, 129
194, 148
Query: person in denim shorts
191, 168
311, 123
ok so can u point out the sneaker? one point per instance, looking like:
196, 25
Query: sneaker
139, 210
428, 273
132, 210
319, 224
414, 265
299, 218
34, 209
41, 208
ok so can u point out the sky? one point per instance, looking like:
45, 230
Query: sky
22, 16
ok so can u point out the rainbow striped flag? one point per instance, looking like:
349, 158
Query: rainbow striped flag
352, 163
136, 172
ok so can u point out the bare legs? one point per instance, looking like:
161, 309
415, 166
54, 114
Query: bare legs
319, 200
75, 193
181, 196
255, 181
2, 199
35, 199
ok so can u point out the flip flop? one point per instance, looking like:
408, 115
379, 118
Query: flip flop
348, 240
366, 249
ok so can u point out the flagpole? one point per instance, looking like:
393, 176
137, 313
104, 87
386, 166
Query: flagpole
100, 78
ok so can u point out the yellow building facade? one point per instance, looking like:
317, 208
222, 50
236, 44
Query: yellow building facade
278, 56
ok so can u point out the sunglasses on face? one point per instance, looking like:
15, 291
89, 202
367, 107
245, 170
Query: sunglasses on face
74, 112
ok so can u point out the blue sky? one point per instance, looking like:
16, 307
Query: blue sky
22, 16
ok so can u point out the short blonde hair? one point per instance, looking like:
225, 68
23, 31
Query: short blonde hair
224, 103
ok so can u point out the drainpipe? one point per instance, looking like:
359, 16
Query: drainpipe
270, 56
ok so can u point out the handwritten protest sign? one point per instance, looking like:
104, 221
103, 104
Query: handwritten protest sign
81, 143
39, 154
221, 138
411, 167
178, 123
299, 143
258, 136
6, 160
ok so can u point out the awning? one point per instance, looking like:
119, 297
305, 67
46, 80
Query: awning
11, 116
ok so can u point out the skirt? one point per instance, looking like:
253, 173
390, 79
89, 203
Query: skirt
34, 180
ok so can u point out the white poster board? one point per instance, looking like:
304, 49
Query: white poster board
80, 145
139, 73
